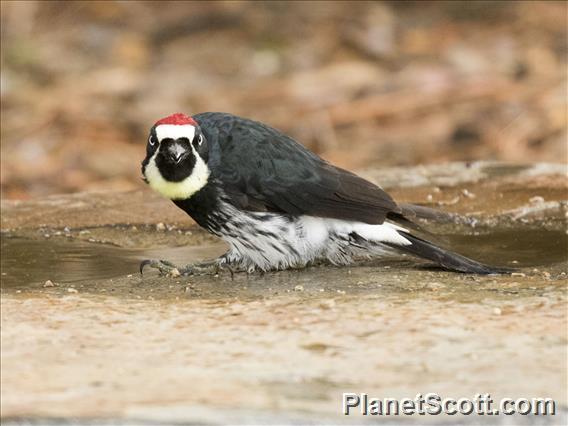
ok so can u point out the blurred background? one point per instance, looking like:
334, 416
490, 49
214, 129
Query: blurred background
364, 84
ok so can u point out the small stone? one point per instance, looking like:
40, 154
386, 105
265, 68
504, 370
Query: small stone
536, 200
518, 274
468, 194
299, 288
174, 273
496, 311
129, 276
429, 198
48, 283
84, 232
72, 290
433, 286
546, 274
327, 304
160, 227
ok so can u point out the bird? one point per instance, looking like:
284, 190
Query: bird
275, 203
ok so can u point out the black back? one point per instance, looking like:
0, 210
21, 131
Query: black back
261, 169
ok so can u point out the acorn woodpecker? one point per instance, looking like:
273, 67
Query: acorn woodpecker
277, 204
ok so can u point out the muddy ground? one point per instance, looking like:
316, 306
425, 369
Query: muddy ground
99, 343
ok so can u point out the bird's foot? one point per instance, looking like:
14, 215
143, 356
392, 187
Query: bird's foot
169, 269
165, 267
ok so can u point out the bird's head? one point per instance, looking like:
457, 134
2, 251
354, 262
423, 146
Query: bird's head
176, 157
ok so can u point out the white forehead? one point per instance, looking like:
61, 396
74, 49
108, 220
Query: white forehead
175, 131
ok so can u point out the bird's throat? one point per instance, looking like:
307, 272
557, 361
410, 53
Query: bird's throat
179, 190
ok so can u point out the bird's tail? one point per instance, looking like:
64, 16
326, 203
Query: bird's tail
445, 258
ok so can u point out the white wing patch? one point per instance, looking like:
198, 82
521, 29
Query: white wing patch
385, 232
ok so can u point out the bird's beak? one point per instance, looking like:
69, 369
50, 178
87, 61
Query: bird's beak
177, 152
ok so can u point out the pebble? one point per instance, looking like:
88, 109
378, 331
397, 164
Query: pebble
496, 311
72, 290
160, 227
49, 283
433, 286
327, 304
536, 200
518, 274
299, 288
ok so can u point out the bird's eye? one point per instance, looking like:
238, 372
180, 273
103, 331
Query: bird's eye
152, 140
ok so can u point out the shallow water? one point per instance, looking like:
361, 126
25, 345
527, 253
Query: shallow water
517, 246
26, 262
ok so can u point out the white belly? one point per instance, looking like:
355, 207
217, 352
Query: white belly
269, 241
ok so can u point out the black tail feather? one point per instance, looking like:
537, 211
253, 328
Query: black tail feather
444, 258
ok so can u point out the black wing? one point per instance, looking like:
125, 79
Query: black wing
261, 169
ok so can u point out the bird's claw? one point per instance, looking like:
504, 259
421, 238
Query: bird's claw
169, 269
165, 267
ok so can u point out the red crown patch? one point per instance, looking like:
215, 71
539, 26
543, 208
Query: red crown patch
177, 119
